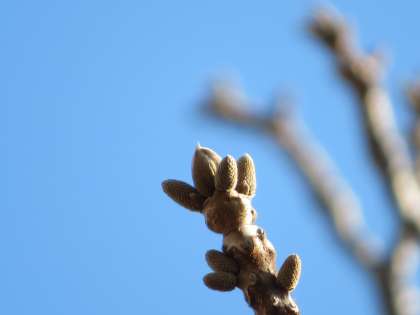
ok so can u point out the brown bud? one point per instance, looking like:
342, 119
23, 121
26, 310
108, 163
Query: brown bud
204, 168
219, 261
220, 281
184, 194
289, 273
227, 174
247, 182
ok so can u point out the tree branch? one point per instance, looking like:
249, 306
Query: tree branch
223, 192
413, 96
388, 147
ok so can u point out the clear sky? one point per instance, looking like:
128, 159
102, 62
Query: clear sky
99, 104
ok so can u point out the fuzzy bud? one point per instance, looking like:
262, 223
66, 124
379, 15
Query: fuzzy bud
204, 168
220, 281
183, 194
289, 273
247, 183
218, 261
227, 174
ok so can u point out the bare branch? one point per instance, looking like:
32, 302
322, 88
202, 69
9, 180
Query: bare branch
363, 74
395, 277
404, 264
413, 96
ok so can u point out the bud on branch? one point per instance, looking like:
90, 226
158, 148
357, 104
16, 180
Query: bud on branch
223, 192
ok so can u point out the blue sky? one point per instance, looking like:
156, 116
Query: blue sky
99, 104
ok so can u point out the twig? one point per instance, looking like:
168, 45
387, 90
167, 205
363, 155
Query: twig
223, 192
413, 96
388, 147
363, 74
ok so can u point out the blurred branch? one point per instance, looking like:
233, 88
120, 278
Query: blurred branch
413, 96
403, 267
363, 75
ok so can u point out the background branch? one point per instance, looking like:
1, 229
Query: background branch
413, 96
363, 74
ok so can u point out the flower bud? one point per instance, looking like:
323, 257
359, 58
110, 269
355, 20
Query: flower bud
289, 273
220, 281
183, 194
219, 261
204, 168
247, 183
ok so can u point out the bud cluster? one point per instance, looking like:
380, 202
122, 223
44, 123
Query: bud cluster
222, 192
